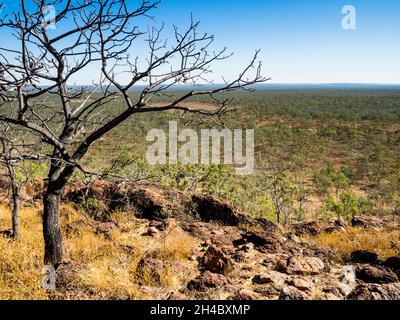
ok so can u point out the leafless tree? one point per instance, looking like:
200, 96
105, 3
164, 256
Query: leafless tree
6, 158
36, 73
12, 158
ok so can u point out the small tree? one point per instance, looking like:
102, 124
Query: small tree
36, 73
21, 169
7, 159
283, 193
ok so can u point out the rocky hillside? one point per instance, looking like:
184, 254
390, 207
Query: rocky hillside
128, 241
234, 256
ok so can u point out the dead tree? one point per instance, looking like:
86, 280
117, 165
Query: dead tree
6, 157
39, 68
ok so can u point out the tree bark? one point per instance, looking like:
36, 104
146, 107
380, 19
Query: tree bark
15, 200
54, 250
15, 212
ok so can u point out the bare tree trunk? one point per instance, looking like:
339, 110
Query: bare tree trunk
15, 211
15, 201
54, 251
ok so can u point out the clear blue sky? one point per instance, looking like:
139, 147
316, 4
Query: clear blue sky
301, 41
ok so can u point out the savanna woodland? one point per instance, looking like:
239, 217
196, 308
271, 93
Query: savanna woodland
83, 214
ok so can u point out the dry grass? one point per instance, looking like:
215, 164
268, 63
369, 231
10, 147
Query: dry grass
21, 261
386, 243
108, 267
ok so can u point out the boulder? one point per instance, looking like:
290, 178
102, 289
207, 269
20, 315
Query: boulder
216, 261
337, 290
150, 270
266, 242
152, 231
105, 228
292, 293
367, 222
270, 277
364, 256
311, 228
159, 203
336, 226
149, 201
393, 263
366, 291
67, 275
302, 284
245, 295
206, 281
301, 266
210, 208
375, 274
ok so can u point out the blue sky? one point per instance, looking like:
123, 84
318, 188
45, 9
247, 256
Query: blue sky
301, 41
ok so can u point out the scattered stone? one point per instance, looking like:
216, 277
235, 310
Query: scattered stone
292, 293
80, 226
301, 266
268, 291
105, 228
375, 274
239, 256
7, 233
77, 227
245, 295
270, 277
301, 284
152, 231
206, 281
216, 261
177, 296
338, 290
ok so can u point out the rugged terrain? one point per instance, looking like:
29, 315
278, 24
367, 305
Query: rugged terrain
151, 242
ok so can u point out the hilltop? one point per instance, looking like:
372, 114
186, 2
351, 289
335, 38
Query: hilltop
151, 242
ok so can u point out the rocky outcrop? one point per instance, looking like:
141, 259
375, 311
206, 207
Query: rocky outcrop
158, 203
314, 228
147, 201
235, 256
213, 209
367, 222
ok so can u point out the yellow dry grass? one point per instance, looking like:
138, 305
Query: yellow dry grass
109, 266
386, 243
